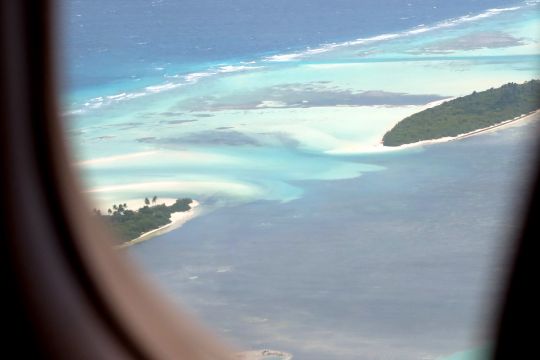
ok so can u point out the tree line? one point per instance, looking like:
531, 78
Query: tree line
468, 113
129, 224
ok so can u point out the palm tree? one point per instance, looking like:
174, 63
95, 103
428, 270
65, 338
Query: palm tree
146, 201
154, 199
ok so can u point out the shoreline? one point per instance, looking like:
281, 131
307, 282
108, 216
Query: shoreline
532, 116
177, 220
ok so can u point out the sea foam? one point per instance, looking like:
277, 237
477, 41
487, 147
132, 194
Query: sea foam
420, 29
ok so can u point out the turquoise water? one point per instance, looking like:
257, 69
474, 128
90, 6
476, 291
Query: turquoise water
245, 131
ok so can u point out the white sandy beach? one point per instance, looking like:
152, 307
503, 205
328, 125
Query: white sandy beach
177, 220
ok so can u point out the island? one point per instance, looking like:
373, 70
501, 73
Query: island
467, 114
129, 225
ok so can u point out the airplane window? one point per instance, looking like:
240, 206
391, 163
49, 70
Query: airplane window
312, 179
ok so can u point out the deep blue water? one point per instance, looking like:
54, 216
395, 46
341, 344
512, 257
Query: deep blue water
115, 46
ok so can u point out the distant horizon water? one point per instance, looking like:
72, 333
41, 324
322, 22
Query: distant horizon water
152, 72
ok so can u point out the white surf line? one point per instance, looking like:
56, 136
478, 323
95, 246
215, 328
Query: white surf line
420, 29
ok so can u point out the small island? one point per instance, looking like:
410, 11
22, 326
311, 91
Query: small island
265, 354
129, 225
467, 114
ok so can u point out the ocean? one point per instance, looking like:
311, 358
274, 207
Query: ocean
311, 237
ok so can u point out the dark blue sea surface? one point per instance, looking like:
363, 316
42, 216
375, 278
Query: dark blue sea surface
115, 46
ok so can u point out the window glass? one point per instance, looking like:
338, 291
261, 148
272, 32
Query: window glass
324, 179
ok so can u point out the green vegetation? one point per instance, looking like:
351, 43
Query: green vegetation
465, 114
129, 224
